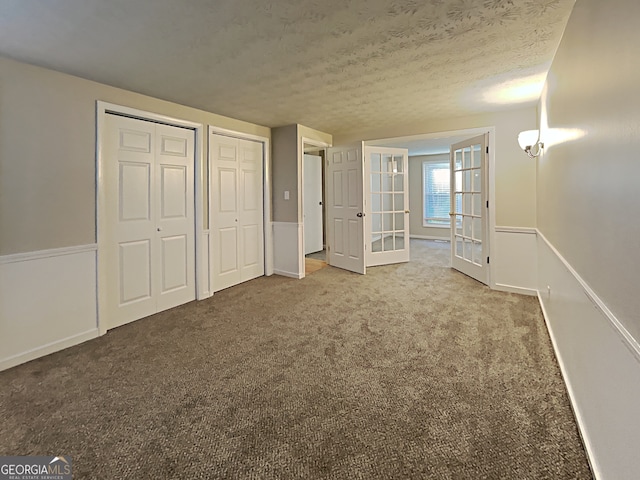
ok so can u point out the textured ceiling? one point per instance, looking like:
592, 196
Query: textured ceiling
334, 65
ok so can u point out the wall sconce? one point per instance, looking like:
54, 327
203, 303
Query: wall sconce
529, 141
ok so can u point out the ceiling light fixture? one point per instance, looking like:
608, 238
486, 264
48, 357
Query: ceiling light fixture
529, 141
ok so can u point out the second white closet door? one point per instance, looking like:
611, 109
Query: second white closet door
237, 210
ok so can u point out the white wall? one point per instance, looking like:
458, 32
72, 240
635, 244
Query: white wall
587, 204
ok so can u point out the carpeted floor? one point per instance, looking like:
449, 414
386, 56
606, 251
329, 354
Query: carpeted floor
412, 371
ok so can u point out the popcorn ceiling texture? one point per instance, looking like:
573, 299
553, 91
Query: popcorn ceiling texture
332, 65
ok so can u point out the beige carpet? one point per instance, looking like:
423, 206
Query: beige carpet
412, 371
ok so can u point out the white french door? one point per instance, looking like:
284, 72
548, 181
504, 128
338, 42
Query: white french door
469, 217
387, 205
345, 208
237, 210
149, 178
312, 170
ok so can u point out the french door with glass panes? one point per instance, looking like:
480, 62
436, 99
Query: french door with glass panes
387, 205
469, 246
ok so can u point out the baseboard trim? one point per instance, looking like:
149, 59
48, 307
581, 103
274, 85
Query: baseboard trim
52, 252
591, 458
430, 237
288, 274
48, 349
513, 289
627, 338
526, 230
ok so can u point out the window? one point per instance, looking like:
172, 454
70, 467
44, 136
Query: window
435, 185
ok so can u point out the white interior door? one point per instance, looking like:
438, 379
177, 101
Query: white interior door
312, 170
469, 217
149, 176
345, 208
387, 205
237, 210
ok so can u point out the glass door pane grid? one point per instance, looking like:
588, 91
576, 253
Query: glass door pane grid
387, 202
468, 204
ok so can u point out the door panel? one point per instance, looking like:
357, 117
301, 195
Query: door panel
135, 271
174, 263
175, 216
135, 201
346, 235
387, 205
237, 211
227, 254
150, 225
469, 239
173, 191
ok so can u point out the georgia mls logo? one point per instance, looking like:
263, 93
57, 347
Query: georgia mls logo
35, 468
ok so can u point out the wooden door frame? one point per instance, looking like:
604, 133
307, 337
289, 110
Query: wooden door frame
201, 248
267, 224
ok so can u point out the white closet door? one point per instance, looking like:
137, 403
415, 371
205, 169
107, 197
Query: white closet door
175, 216
237, 210
150, 218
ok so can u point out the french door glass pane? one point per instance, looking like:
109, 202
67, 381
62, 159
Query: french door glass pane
398, 202
387, 222
375, 182
376, 242
398, 163
387, 182
387, 202
477, 253
375, 162
466, 158
399, 221
376, 222
468, 251
477, 186
376, 202
477, 156
398, 183
387, 163
466, 225
477, 228
477, 204
467, 204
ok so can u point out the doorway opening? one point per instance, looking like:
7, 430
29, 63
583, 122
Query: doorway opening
313, 206
436, 194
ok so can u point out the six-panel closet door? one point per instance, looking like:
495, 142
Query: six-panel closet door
149, 178
237, 210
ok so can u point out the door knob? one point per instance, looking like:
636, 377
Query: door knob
359, 214
159, 229
407, 211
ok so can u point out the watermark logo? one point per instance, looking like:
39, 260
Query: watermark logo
35, 468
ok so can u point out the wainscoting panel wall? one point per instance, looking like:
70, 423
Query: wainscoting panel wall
287, 257
600, 363
514, 260
47, 302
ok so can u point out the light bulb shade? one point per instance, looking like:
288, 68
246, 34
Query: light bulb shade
529, 141
528, 138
